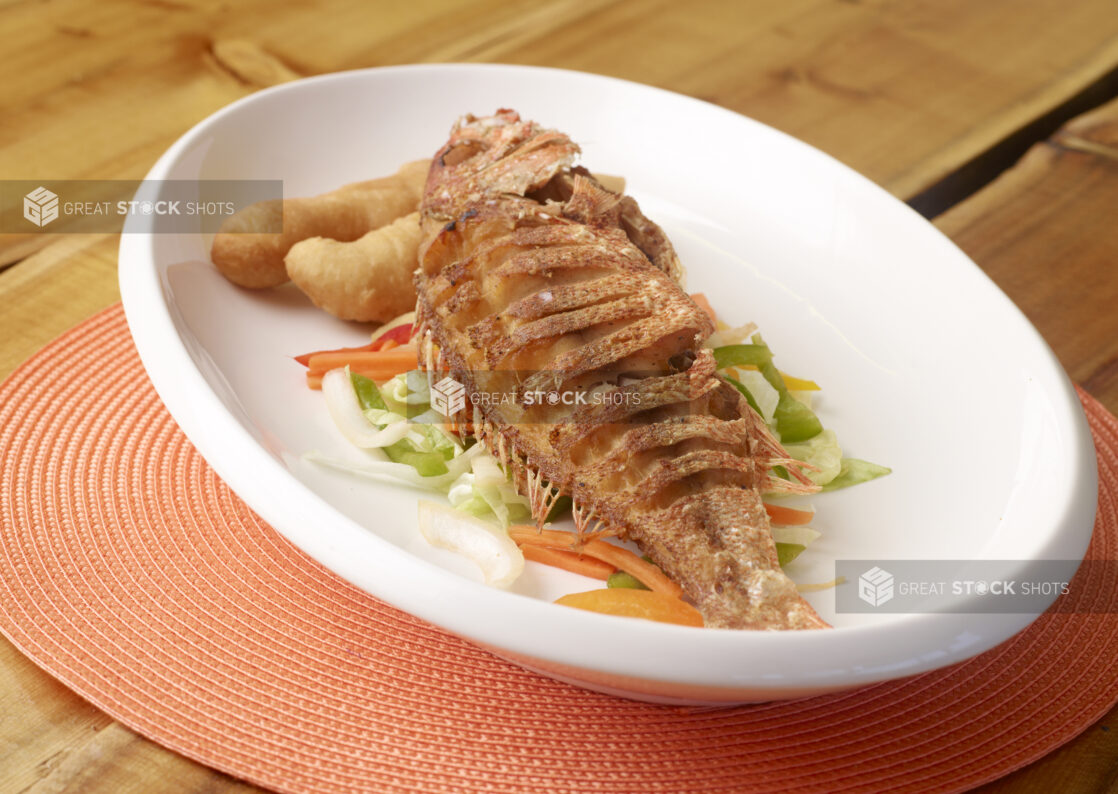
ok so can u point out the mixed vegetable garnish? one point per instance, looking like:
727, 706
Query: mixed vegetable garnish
381, 403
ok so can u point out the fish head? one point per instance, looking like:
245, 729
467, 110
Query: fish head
494, 155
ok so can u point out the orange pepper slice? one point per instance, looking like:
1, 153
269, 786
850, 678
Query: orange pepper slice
630, 603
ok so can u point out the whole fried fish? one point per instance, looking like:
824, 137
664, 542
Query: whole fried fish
558, 306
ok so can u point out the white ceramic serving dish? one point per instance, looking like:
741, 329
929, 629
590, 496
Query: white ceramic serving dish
927, 367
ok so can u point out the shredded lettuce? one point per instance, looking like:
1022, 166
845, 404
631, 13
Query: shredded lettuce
492, 487
418, 449
853, 471
802, 396
789, 412
407, 391
794, 421
823, 452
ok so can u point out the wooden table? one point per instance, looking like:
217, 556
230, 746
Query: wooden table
990, 116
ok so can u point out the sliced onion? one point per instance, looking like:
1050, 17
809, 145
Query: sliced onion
461, 490
489, 546
488, 478
390, 471
730, 336
802, 536
345, 409
765, 395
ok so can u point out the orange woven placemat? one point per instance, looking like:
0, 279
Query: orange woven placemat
133, 575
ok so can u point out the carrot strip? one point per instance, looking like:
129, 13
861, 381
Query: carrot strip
397, 360
527, 533
314, 381
648, 574
704, 304
623, 559
568, 561
788, 516
305, 359
388, 344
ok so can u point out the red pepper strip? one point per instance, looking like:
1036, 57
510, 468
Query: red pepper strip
400, 334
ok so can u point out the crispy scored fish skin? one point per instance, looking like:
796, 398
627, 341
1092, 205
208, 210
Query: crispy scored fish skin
535, 281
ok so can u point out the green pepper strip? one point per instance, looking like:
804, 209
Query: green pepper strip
742, 355
794, 420
623, 579
367, 392
786, 552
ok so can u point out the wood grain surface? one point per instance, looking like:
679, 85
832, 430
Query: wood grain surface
912, 94
1045, 232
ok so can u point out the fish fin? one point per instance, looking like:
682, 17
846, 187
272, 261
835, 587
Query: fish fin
592, 204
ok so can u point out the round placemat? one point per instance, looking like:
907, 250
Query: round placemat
132, 574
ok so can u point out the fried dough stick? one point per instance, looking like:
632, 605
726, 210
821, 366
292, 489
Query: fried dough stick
249, 252
369, 279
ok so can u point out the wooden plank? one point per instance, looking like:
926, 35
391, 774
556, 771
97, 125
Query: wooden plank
75, 74
1095, 132
73, 113
1086, 764
76, 747
973, 175
14, 247
904, 92
53, 290
1045, 233
908, 93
